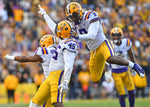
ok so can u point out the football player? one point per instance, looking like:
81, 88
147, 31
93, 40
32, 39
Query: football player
43, 54
121, 74
89, 29
53, 89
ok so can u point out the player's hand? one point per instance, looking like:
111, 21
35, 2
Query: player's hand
41, 11
63, 87
139, 70
9, 57
74, 34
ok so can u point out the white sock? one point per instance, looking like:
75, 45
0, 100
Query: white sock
131, 64
33, 104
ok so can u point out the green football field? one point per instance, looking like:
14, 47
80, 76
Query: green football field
94, 103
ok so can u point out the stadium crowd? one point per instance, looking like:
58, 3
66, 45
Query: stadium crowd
21, 27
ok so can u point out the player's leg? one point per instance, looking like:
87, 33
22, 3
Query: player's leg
97, 60
120, 87
42, 94
128, 81
33, 104
96, 65
58, 104
121, 61
56, 96
117, 60
48, 103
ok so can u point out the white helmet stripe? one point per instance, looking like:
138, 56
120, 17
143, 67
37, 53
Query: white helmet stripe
116, 29
68, 8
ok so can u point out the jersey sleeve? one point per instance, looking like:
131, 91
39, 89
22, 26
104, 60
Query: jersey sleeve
92, 16
41, 51
38, 51
71, 45
128, 43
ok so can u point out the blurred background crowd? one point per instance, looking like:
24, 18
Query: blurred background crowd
21, 27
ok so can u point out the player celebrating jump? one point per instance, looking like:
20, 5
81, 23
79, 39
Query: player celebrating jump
89, 29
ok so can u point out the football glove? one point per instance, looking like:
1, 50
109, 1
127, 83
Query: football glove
139, 70
41, 11
9, 57
63, 87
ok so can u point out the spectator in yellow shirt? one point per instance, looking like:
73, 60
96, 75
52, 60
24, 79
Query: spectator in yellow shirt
140, 84
84, 80
10, 82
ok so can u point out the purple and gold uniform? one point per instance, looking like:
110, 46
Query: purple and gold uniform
101, 49
46, 54
92, 33
121, 74
63, 56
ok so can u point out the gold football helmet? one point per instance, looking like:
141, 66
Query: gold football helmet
74, 12
47, 40
116, 35
65, 29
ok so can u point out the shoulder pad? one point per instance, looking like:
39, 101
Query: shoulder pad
92, 16
71, 45
128, 42
41, 51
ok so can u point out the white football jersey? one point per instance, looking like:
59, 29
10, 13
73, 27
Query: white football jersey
57, 61
82, 28
122, 50
46, 54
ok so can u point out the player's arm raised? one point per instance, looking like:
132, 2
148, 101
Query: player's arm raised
35, 58
51, 24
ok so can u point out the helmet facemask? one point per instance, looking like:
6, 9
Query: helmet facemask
116, 38
75, 17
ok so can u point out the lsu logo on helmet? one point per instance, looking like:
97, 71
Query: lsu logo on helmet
74, 12
47, 40
65, 29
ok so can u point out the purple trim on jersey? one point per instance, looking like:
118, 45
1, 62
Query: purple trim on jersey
94, 20
46, 51
109, 48
70, 40
88, 14
120, 70
59, 84
42, 50
44, 104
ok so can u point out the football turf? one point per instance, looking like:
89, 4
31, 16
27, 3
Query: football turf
94, 103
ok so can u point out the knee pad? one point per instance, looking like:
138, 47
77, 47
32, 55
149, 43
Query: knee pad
33, 104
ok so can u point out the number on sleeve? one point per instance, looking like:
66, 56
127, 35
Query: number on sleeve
71, 45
